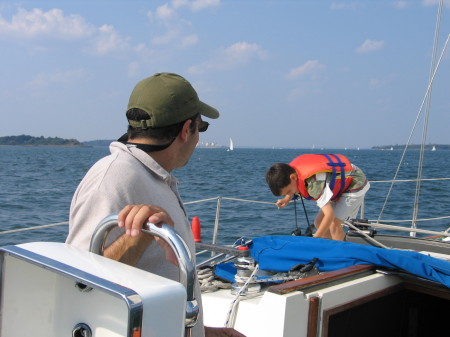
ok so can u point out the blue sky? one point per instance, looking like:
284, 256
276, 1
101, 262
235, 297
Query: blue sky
282, 73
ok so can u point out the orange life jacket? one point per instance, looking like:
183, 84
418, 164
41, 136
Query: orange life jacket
308, 165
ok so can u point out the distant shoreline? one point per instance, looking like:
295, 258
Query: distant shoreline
30, 141
26, 140
429, 147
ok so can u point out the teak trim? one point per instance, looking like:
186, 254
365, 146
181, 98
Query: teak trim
313, 316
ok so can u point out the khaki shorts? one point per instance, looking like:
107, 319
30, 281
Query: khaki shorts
348, 205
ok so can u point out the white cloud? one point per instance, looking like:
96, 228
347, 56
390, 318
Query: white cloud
177, 29
168, 37
190, 40
59, 77
108, 40
243, 52
370, 46
176, 37
198, 5
53, 23
232, 57
36, 24
312, 68
165, 12
179, 3
140, 48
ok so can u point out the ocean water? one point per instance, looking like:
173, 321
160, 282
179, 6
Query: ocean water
37, 184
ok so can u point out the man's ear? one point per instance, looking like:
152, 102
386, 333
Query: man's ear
185, 130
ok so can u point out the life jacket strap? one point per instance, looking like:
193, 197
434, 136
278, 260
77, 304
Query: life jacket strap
334, 166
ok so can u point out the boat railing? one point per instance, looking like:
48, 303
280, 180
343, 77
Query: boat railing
362, 214
373, 222
218, 208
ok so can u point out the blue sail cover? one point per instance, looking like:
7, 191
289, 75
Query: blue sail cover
281, 253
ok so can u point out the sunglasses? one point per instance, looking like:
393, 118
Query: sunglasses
202, 126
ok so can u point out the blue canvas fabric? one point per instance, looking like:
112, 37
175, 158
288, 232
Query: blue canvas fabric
225, 271
281, 253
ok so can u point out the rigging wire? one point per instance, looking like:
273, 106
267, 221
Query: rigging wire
426, 121
412, 131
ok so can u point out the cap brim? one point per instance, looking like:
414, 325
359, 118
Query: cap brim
209, 111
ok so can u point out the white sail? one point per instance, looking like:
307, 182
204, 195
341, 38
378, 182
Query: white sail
231, 148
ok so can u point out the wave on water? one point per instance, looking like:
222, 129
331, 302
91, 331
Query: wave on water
37, 184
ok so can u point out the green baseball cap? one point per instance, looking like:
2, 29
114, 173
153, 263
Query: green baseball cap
167, 99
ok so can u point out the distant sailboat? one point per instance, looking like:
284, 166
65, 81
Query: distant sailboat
231, 148
434, 148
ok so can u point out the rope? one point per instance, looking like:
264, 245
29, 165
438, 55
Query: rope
32, 228
251, 201
233, 199
231, 315
203, 200
208, 283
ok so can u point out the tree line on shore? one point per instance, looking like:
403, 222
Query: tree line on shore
25, 140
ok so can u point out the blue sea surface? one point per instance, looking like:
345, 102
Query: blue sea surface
37, 184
